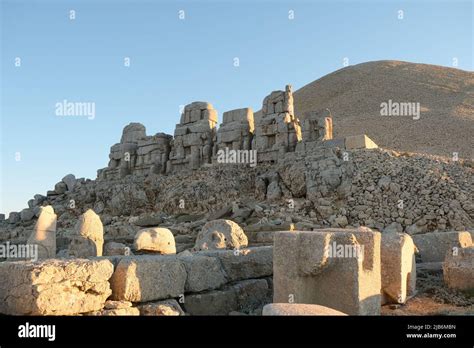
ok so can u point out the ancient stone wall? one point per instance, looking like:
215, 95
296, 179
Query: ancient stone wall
214, 282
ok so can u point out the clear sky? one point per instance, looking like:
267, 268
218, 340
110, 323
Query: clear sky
174, 61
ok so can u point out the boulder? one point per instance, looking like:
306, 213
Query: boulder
432, 247
221, 234
54, 287
298, 309
87, 239
44, 233
158, 240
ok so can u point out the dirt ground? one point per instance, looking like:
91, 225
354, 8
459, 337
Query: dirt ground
433, 298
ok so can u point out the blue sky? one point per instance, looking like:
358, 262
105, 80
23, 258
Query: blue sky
174, 62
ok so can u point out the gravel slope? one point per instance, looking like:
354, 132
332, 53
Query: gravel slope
354, 94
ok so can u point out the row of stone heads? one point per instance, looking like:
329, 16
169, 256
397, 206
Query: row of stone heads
87, 237
277, 106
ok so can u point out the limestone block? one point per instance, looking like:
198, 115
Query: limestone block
254, 262
221, 234
133, 132
359, 142
458, 269
298, 309
60, 188
161, 308
201, 126
244, 115
88, 236
195, 115
243, 296
309, 265
229, 136
398, 267
54, 287
252, 294
204, 273
157, 239
198, 105
148, 278
14, 217
70, 181
433, 246
44, 233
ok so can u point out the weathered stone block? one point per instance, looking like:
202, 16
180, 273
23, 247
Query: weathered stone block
148, 278
255, 262
298, 309
359, 142
398, 267
458, 269
309, 265
54, 287
204, 273
44, 234
243, 296
221, 234
433, 246
88, 237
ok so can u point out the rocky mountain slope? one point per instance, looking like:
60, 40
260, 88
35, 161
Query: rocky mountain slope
354, 94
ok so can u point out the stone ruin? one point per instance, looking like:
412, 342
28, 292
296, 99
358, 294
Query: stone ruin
278, 130
193, 137
236, 130
225, 268
137, 153
197, 140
